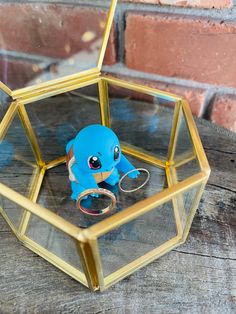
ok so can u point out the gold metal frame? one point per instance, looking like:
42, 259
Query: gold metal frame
87, 239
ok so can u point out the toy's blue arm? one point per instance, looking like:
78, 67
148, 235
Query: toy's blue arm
124, 166
85, 179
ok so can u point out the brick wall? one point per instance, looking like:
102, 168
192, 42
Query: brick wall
185, 47
182, 46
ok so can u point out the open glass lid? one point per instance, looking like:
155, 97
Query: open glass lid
42, 43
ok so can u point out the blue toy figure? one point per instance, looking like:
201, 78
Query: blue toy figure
94, 156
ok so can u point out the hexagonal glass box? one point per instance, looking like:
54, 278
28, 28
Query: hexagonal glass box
157, 132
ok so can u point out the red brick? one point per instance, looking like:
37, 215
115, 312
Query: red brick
53, 30
224, 111
189, 48
15, 74
189, 3
194, 96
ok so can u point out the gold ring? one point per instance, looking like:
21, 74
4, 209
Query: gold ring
139, 187
96, 212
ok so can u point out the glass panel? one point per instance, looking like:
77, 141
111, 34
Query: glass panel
17, 162
136, 238
13, 211
43, 41
184, 203
141, 120
54, 240
184, 146
58, 119
189, 197
187, 170
18, 169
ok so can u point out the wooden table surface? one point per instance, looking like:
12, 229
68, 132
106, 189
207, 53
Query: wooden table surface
197, 277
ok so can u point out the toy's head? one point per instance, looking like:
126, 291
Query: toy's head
97, 149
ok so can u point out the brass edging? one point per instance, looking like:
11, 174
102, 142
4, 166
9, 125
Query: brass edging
89, 265
179, 197
204, 165
143, 155
34, 193
174, 132
98, 263
55, 162
63, 89
176, 208
7, 119
106, 36
6, 89
45, 87
141, 89
30, 134
104, 103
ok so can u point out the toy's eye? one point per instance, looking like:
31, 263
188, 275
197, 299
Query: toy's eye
94, 163
116, 153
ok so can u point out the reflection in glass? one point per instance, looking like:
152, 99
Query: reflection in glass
58, 119
187, 170
54, 241
42, 41
13, 211
136, 238
189, 197
141, 120
185, 202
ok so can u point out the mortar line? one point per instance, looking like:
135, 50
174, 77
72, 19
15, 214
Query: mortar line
91, 3
224, 13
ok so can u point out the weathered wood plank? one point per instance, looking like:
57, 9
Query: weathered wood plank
177, 283
213, 232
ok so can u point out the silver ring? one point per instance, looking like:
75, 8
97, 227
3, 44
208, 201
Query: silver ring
138, 188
